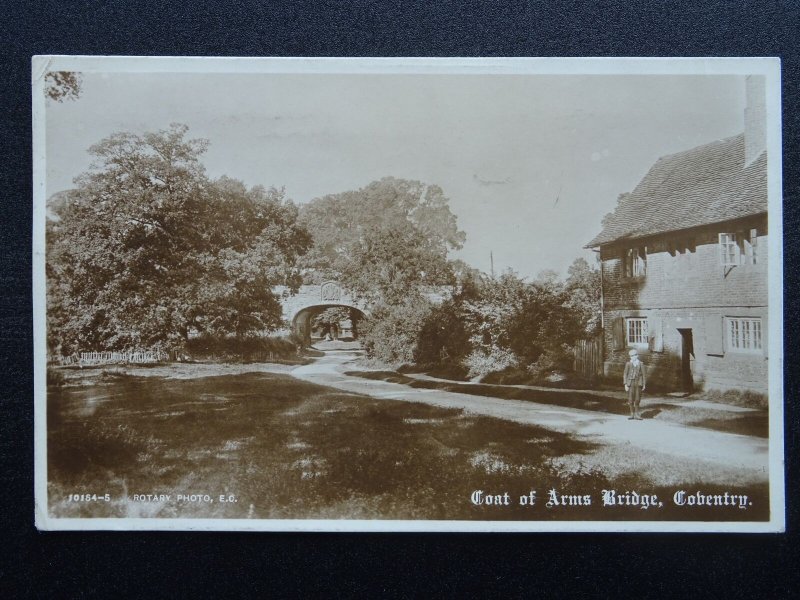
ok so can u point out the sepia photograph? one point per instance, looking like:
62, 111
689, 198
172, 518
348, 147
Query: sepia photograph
408, 294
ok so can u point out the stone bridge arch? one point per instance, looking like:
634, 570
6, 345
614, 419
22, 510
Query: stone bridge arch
299, 309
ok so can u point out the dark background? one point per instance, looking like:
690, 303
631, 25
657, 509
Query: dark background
235, 564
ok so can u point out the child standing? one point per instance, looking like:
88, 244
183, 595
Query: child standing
635, 380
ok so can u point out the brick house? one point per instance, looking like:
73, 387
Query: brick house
684, 265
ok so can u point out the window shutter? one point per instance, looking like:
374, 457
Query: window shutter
765, 334
643, 261
618, 333
714, 333
655, 334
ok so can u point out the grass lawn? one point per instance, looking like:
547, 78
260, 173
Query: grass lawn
283, 448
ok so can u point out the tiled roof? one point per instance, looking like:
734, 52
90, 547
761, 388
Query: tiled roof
707, 184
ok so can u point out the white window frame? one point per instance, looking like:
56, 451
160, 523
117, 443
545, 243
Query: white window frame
640, 338
744, 335
635, 262
730, 254
751, 247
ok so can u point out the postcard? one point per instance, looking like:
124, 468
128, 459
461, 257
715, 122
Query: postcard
506, 294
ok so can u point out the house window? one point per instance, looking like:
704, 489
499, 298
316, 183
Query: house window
738, 248
635, 260
728, 250
744, 335
751, 247
636, 331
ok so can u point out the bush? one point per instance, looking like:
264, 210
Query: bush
481, 363
542, 330
551, 361
444, 340
251, 348
509, 376
392, 332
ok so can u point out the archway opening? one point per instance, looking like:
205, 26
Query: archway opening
327, 322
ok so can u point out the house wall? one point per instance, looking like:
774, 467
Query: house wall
689, 290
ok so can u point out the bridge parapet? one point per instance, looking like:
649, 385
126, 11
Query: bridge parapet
298, 308
329, 293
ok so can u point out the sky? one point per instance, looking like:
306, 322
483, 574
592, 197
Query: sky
530, 163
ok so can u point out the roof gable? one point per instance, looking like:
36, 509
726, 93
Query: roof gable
707, 184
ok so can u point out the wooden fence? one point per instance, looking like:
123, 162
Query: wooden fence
138, 357
589, 358
259, 356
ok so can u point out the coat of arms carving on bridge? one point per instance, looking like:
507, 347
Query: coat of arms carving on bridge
331, 292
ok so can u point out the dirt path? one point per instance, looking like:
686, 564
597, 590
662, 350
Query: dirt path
619, 395
728, 450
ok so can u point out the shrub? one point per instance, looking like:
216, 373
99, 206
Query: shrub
481, 363
509, 376
244, 348
536, 323
543, 329
552, 360
392, 332
444, 340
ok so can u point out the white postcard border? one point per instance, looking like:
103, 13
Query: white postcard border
766, 66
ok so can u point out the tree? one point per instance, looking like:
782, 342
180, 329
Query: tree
391, 264
384, 240
387, 243
444, 339
489, 306
495, 324
147, 249
329, 320
485, 305
62, 85
392, 332
543, 329
583, 285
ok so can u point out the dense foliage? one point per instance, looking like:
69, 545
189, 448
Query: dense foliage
388, 244
525, 330
147, 249
329, 321
385, 242
392, 332
147, 252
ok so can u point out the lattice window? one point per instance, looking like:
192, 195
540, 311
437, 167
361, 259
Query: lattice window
744, 335
636, 331
729, 253
635, 262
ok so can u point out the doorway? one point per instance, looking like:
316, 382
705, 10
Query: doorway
687, 354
